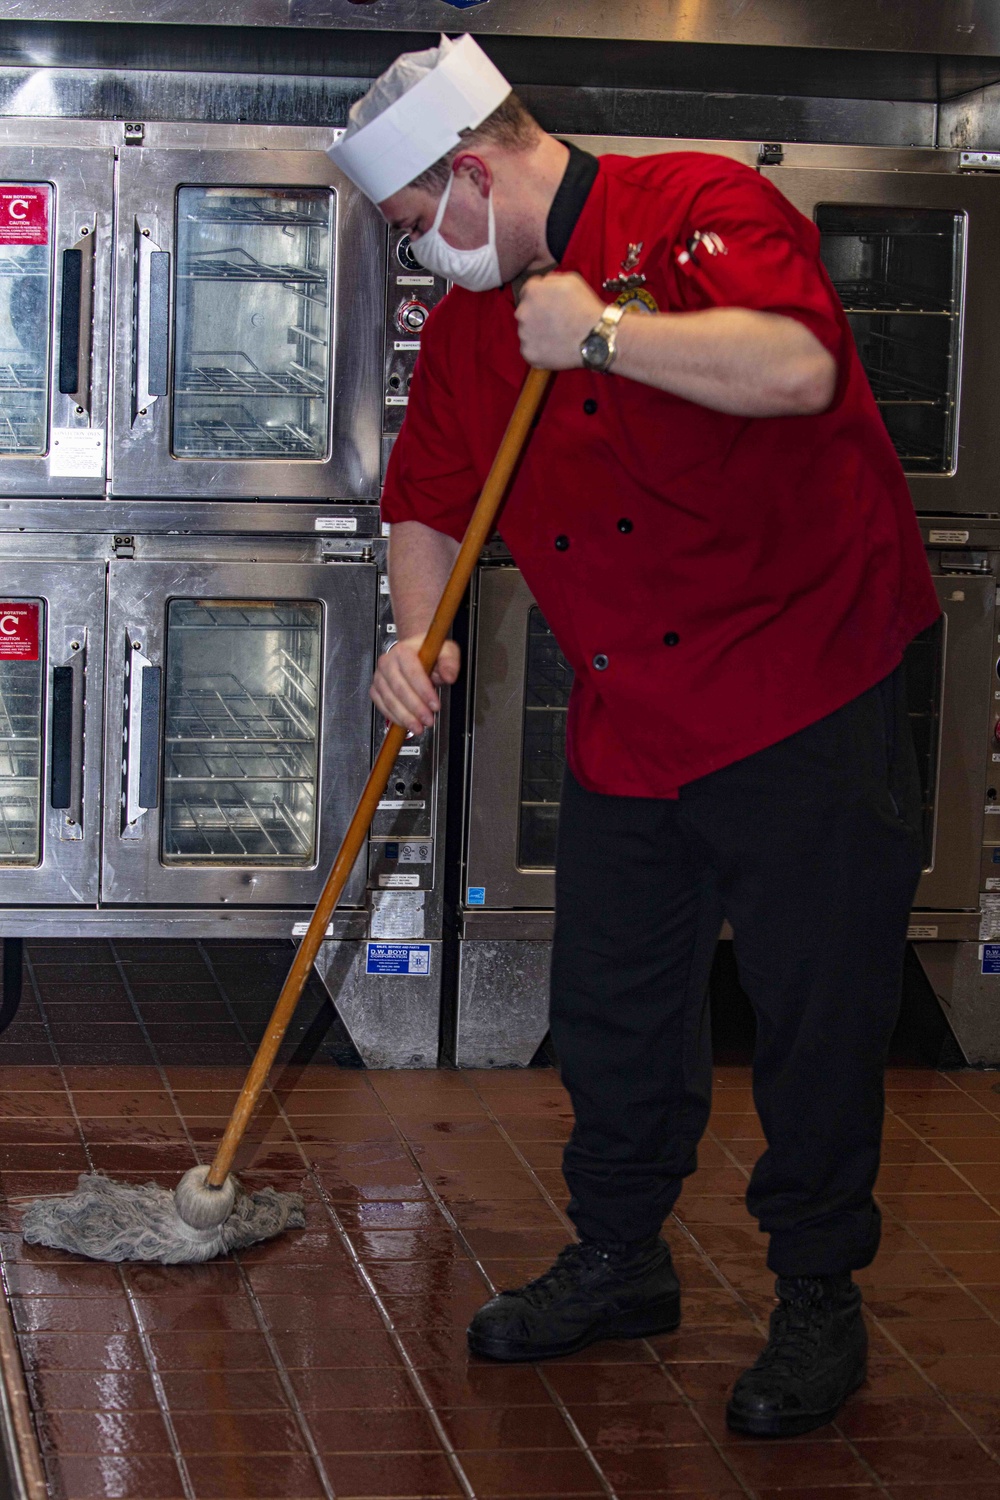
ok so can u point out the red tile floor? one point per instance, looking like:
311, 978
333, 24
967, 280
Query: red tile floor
332, 1362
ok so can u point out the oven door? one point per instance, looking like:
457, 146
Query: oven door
913, 257
522, 684
55, 289
950, 681
239, 729
249, 304
520, 698
51, 676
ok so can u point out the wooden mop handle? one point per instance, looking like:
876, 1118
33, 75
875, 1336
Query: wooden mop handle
480, 528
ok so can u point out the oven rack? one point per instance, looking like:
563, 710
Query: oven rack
9, 267
257, 211
236, 264
285, 765
240, 436
224, 712
231, 827
204, 614
21, 378
19, 709
893, 389
873, 297
19, 827
909, 452
22, 423
228, 380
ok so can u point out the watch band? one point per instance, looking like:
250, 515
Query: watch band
605, 330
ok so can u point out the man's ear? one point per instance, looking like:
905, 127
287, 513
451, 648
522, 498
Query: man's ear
475, 170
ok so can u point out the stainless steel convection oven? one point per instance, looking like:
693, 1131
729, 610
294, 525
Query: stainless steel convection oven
909, 239
206, 341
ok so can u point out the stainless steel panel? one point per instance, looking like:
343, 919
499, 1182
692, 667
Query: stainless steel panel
71, 595
973, 486
969, 998
143, 463
503, 1003
240, 858
169, 922
500, 653
80, 221
394, 1021
970, 28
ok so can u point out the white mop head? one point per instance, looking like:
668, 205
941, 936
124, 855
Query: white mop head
109, 1220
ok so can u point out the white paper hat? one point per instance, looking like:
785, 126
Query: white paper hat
414, 113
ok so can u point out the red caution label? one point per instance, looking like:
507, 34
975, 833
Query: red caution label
24, 214
18, 632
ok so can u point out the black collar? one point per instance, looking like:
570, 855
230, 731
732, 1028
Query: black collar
571, 195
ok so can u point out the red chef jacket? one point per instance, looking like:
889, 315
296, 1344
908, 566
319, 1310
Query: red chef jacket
717, 583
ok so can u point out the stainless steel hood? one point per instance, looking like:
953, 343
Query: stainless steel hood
959, 27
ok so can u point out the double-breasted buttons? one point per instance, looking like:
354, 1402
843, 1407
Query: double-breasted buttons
600, 662
625, 525
562, 542
671, 638
590, 406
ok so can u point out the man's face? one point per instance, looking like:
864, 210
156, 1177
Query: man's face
466, 219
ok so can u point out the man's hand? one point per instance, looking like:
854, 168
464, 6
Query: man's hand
402, 690
554, 316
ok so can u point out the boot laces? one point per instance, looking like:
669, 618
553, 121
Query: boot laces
573, 1266
797, 1331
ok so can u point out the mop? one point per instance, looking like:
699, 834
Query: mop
209, 1213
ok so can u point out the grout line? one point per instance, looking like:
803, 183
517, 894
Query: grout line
147, 1352
459, 1234
450, 1452
412, 1373
284, 1379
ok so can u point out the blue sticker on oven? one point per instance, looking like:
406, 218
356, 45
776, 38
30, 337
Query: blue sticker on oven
408, 959
476, 895
990, 959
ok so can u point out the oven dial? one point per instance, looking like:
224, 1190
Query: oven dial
405, 255
411, 317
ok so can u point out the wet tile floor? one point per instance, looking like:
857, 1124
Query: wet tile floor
332, 1362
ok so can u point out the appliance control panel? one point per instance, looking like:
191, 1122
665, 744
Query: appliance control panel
411, 292
401, 845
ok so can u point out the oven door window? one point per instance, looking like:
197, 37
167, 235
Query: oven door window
242, 732
25, 316
899, 273
22, 634
548, 679
253, 309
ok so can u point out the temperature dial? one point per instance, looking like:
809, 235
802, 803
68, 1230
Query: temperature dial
411, 317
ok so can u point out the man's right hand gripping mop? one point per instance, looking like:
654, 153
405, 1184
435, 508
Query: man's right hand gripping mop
209, 1213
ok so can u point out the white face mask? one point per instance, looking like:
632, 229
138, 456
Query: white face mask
477, 270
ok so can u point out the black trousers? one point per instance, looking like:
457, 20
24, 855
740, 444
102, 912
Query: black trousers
812, 850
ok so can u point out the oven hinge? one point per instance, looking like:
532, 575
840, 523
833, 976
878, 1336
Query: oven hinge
123, 546
979, 161
135, 132
771, 154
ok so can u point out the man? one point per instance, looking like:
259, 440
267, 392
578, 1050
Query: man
715, 525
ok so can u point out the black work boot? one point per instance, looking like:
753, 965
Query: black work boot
816, 1355
592, 1292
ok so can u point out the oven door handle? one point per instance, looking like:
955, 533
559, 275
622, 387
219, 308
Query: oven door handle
76, 321
141, 765
66, 756
151, 357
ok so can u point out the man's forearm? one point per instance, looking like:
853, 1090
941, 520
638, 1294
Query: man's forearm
732, 359
420, 560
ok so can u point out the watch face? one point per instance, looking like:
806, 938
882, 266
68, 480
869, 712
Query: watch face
595, 351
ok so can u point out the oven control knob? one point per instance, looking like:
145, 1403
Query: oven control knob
411, 317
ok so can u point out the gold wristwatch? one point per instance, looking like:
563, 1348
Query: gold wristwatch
598, 348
